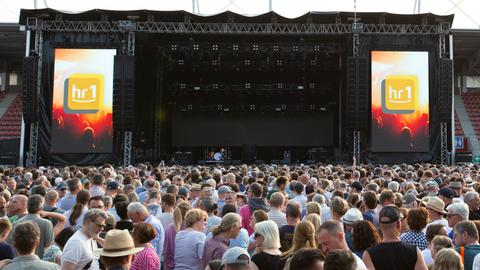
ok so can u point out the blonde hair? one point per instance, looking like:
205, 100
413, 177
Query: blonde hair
179, 214
303, 236
314, 208
228, 221
447, 259
5, 225
269, 230
315, 219
440, 242
195, 215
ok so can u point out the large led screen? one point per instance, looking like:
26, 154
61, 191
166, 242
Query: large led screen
400, 113
82, 101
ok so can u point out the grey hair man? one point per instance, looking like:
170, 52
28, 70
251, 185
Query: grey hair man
326, 213
456, 212
34, 206
138, 213
78, 252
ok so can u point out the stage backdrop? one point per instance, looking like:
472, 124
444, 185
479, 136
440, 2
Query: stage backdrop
82, 101
400, 101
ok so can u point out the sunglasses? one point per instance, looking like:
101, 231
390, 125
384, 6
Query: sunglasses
101, 225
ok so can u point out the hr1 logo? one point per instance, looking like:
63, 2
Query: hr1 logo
399, 94
83, 93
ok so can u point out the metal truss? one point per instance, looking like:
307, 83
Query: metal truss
33, 146
33, 143
443, 143
442, 46
355, 45
237, 28
127, 148
131, 43
356, 145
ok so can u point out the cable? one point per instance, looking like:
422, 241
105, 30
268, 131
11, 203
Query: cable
464, 13
452, 8
232, 2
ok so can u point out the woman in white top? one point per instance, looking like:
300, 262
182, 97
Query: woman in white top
75, 215
189, 243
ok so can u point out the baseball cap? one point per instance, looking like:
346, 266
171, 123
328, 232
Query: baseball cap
235, 255
208, 204
446, 192
183, 191
61, 186
353, 215
390, 214
224, 189
409, 198
112, 185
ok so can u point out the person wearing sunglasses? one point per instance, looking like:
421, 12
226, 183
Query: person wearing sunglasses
267, 239
79, 250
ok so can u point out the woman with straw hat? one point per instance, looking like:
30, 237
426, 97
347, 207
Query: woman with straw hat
118, 250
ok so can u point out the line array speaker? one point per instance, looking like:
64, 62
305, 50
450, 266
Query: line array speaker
356, 99
445, 94
124, 92
30, 82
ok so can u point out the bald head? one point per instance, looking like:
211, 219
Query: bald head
17, 205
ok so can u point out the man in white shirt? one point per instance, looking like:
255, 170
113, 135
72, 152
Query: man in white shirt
330, 236
277, 202
79, 250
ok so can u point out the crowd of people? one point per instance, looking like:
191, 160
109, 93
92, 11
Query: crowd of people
256, 217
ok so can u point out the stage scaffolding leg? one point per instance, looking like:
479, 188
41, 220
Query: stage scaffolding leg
127, 148
128, 135
356, 145
444, 143
33, 144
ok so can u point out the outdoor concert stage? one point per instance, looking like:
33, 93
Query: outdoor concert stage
128, 86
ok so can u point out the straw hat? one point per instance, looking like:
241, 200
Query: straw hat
436, 204
118, 243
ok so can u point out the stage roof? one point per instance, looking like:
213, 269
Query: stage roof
228, 16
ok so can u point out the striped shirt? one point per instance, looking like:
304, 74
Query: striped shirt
145, 259
278, 217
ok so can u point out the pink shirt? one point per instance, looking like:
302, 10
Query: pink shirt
146, 259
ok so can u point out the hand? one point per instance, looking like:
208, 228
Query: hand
43, 213
4, 263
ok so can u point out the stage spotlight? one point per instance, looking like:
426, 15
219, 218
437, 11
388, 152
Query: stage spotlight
215, 86
215, 62
182, 86
173, 47
196, 47
219, 107
316, 48
196, 88
280, 85
247, 62
189, 107
279, 62
255, 47
247, 86
295, 48
252, 107
300, 87
323, 109
313, 62
215, 47
284, 106
311, 85
276, 48
312, 107
235, 47
226, 109
278, 109
180, 61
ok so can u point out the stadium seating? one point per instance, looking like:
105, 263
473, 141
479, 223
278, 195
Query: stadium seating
471, 100
11, 121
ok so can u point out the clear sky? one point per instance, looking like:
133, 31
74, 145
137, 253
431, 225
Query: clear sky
466, 11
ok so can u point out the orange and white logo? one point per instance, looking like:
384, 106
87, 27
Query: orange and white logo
83, 93
399, 94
